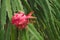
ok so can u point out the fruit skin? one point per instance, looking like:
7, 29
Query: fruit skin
20, 20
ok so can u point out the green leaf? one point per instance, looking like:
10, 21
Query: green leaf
8, 8
14, 32
3, 13
23, 34
13, 5
32, 29
8, 32
2, 19
19, 5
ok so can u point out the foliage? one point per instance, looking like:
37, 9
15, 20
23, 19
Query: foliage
46, 26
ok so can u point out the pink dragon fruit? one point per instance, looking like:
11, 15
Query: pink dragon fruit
21, 20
